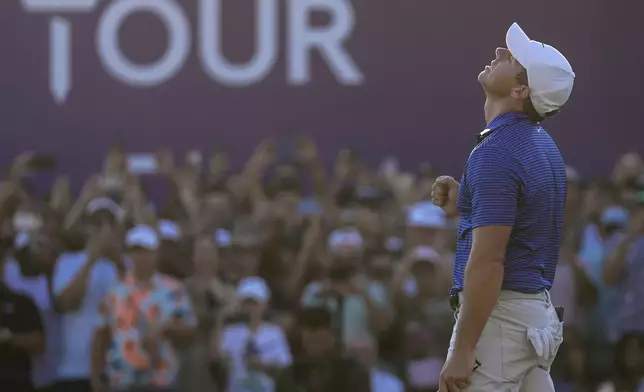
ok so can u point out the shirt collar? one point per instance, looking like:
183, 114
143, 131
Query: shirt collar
498, 122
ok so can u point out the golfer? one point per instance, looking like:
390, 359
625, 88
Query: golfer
511, 205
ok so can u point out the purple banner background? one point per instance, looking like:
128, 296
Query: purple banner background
420, 100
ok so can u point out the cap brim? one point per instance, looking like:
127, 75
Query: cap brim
253, 298
424, 263
518, 44
140, 246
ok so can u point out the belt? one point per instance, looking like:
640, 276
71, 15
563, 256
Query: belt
455, 300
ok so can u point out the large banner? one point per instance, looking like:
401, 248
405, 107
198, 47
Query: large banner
380, 76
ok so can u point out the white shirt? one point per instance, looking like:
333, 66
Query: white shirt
78, 327
385, 382
272, 347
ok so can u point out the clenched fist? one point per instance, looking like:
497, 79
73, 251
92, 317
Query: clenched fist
444, 193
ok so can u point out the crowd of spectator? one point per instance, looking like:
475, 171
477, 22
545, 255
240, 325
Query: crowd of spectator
283, 276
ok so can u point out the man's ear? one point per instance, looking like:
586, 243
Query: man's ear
520, 92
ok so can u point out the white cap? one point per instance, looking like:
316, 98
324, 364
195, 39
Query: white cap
254, 288
169, 230
105, 203
142, 236
550, 75
427, 215
427, 254
615, 215
345, 238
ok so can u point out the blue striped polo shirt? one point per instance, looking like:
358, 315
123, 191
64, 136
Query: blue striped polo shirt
514, 177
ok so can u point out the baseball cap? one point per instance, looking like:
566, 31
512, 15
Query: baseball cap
105, 204
615, 215
427, 254
142, 236
345, 238
427, 215
550, 75
254, 288
169, 230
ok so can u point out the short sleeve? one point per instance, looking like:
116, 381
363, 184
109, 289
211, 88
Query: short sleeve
105, 275
30, 319
66, 268
494, 183
12, 276
232, 339
280, 354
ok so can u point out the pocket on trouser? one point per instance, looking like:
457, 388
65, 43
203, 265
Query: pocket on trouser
546, 341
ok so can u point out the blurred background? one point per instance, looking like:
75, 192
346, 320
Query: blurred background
294, 143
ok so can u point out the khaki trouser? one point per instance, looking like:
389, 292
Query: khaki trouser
509, 362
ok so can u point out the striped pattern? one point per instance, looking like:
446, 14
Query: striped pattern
515, 177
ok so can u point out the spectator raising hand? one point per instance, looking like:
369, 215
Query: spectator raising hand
247, 280
218, 165
22, 165
165, 162
61, 195
307, 253
307, 151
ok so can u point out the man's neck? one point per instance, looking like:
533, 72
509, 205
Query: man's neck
254, 325
495, 107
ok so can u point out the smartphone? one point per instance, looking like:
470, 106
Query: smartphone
140, 164
26, 221
42, 162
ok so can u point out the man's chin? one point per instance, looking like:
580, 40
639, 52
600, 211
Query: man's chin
482, 76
